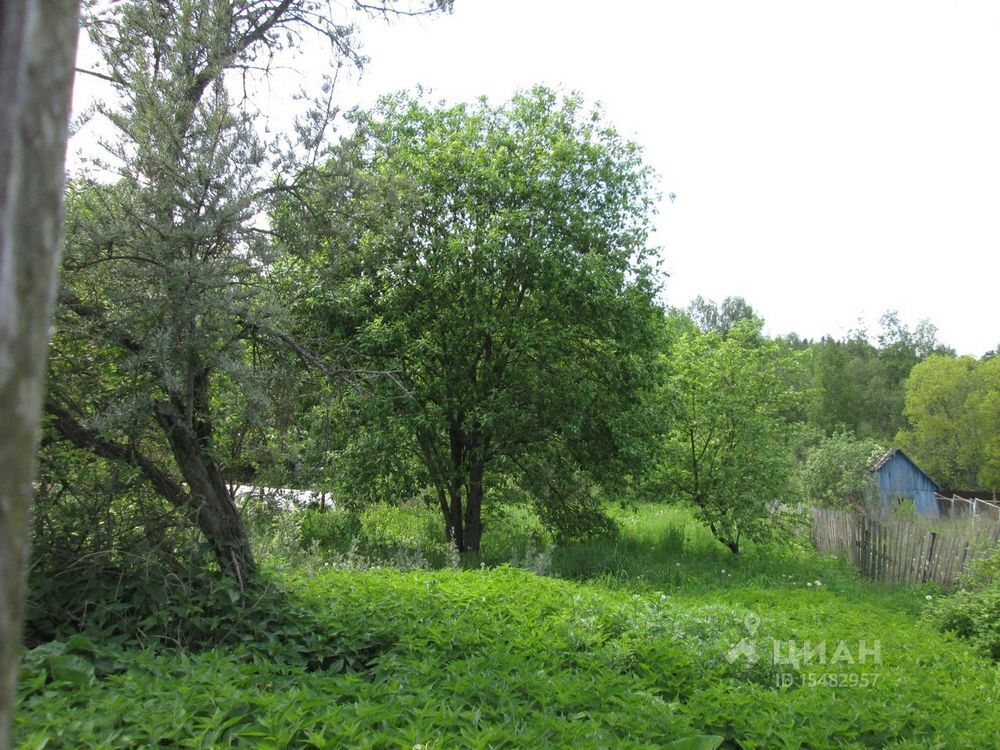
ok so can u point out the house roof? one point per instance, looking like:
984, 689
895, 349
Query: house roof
874, 467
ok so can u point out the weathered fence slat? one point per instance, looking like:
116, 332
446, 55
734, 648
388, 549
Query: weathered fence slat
903, 551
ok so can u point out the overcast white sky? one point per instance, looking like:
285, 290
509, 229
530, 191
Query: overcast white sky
831, 160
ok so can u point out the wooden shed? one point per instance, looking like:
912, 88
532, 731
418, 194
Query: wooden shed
898, 477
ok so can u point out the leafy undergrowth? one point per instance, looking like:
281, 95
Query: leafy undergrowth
506, 658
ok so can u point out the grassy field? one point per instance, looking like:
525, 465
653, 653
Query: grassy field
661, 639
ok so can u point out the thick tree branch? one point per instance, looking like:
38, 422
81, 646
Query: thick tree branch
352, 376
90, 440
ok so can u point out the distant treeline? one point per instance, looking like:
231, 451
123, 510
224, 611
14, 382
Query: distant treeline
898, 386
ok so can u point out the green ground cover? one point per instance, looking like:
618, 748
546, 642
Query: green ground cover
626, 643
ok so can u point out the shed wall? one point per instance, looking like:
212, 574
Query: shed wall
900, 478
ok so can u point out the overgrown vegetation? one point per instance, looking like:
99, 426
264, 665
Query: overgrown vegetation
556, 511
625, 644
973, 612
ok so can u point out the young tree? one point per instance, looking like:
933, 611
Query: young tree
37, 47
727, 446
164, 267
493, 280
834, 472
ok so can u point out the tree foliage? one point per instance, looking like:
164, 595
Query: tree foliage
834, 472
859, 383
953, 414
160, 306
486, 265
710, 316
727, 446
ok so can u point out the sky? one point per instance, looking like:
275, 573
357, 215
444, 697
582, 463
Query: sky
830, 161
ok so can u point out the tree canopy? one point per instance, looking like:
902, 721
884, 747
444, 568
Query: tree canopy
727, 445
160, 303
494, 279
953, 413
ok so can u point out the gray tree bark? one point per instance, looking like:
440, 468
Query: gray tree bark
37, 54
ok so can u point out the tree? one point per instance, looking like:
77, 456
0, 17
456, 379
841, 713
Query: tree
161, 298
727, 444
860, 386
720, 318
984, 415
838, 394
37, 47
493, 280
953, 414
835, 474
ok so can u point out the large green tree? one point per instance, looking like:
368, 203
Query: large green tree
160, 298
726, 452
493, 282
953, 414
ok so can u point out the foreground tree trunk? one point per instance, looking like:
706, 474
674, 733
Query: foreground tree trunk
37, 52
474, 508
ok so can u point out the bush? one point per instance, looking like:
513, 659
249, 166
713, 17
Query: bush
109, 553
974, 611
409, 537
512, 533
834, 472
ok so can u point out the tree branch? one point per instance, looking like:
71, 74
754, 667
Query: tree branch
97, 314
90, 440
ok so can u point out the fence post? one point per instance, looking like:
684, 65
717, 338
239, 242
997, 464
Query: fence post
930, 556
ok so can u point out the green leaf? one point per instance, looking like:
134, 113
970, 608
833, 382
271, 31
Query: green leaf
698, 742
71, 668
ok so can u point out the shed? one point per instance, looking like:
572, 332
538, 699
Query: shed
898, 477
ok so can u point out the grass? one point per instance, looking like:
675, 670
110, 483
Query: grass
624, 644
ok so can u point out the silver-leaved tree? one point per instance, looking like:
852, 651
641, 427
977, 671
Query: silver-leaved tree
165, 261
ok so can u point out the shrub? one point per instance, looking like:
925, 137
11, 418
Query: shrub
834, 472
974, 611
513, 533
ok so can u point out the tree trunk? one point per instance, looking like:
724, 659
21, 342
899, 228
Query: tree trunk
215, 511
37, 51
473, 508
731, 543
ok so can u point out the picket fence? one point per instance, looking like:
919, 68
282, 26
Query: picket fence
906, 552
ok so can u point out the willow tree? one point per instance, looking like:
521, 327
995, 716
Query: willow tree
489, 265
164, 265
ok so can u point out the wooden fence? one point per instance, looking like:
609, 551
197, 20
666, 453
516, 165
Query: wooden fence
907, 552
